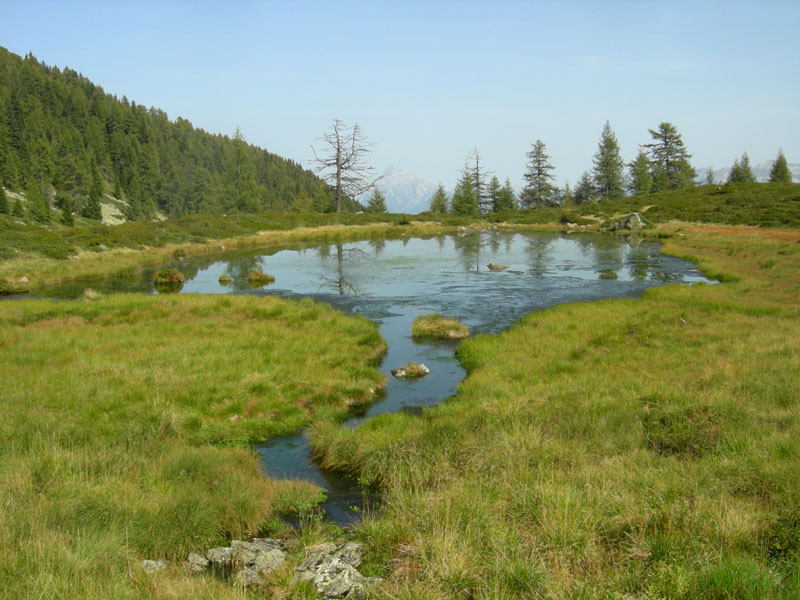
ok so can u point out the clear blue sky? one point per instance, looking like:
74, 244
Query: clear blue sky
430, 81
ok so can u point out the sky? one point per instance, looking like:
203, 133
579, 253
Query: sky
429, 82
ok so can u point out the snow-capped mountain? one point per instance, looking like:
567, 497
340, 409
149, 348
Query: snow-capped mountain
405, 192
760, 171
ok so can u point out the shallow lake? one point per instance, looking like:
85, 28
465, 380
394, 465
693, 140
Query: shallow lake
394, 281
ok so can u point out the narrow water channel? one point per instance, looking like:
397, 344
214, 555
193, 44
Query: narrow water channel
394, 281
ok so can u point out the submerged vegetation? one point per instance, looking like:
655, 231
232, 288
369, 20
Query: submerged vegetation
439, 327
125, 427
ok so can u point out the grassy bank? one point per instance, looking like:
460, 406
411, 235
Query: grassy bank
641, 448
125, 429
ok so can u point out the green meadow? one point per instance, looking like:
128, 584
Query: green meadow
126, 429
641, 448
644, 449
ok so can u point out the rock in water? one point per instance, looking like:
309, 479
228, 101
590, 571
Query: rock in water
496, 267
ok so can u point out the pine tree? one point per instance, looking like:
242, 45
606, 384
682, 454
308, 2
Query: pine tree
465, 198
584, 190
670, 160
780, 172
538, 188
506, 200
4, 208
568, 198
709, 178
640, 180
40, 209
376, 202
479, 181
493, 191
18, 210
66, 212
608, 166
740, 171
91, 209
439, 201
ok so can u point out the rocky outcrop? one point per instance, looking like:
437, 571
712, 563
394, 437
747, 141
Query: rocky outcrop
633, 222
250, 561
332, 570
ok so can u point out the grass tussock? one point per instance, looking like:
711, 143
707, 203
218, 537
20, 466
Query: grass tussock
630, 448
259, 278
168, 277
125, 431
438, 327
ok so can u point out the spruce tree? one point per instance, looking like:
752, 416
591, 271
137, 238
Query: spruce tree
640, 179
465, 198
740, 171
506, 199
584, 190
4, 208
493, 191
709, 178
66, 211
18, 210
670, 160
608, 166
376, 202
91, 209
439, 201
569, 199
40, 209
780, 172
539, 186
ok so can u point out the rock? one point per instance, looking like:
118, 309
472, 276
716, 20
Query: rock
267, 544
248, 578
336, 579
154, 566
23, 279
411, 371
220, 557
197, 563
244, 553
496, 267
318, 555
266, 562
633, 222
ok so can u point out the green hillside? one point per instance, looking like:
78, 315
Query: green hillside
74, 141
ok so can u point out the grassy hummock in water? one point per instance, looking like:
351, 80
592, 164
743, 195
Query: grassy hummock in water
640, 448
168, 277
126, 428
437, 326
259, 278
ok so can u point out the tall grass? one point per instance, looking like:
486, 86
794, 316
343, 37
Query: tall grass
125, 428
630, 448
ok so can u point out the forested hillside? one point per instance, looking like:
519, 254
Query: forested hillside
65, 135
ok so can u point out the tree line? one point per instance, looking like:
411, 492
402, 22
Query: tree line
66, 143
662, 164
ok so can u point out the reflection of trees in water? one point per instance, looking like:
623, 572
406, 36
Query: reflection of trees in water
345, 283
239, 269
468, 248
377, 246
607, 258
537, 249
640, 262
441, 240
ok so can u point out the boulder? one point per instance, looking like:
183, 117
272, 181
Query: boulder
220, 557
411, 371
248, 577
633, 222
336, 579
197, 563
268, 561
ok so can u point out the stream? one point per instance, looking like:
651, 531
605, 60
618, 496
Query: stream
393, 281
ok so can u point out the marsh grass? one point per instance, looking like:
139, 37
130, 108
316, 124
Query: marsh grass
257, 278
438, 327
640, 448
126, 429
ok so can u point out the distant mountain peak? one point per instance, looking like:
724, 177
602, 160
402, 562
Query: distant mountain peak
404, 191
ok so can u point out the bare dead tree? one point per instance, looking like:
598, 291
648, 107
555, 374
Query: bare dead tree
342, 162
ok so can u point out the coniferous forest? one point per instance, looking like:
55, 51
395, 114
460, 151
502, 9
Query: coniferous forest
64, 135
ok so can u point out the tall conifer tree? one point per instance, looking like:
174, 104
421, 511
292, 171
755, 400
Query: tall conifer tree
640, 180
539, 188
439, 201
465, 198
780, 172
669, 159
609, 167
